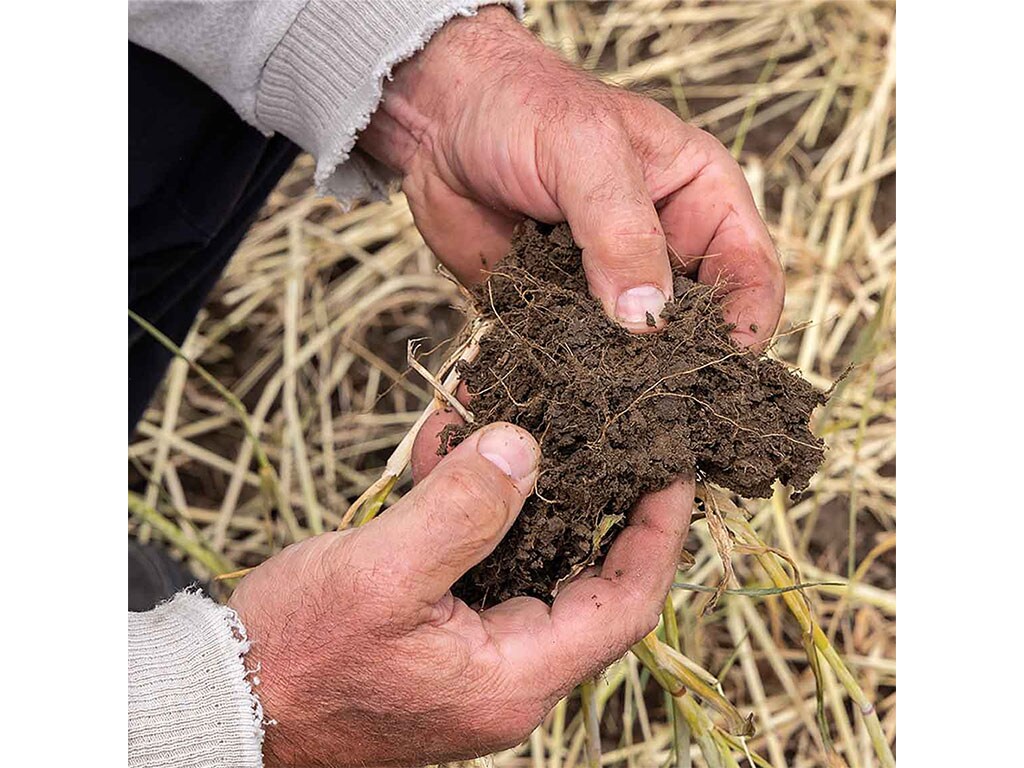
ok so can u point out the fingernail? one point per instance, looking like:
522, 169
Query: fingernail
640, 305
509, 449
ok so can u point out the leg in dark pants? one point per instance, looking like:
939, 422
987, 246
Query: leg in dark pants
197, 176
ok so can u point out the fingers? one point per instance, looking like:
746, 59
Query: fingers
468, 237
594, 620
634, 579
712, 224
613, 220
456, 516
750, 275
424, 449
714, 218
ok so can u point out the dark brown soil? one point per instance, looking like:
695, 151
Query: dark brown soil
617, 414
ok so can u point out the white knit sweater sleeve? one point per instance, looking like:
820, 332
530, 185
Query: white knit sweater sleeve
190, 700
310, 69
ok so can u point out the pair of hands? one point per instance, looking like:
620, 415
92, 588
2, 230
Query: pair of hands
366, 658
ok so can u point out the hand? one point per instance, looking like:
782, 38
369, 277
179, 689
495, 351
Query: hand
366, 658
488, 125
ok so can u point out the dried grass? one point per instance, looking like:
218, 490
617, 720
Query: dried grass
309, 329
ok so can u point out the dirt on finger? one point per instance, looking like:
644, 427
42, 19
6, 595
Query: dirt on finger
617, 414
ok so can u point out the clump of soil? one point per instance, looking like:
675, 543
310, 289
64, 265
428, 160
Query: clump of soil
617, 414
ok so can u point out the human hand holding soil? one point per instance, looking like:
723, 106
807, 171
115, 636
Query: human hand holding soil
618, 414
487, 125
357, 634
366, 658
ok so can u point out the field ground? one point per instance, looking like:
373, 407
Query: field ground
308, 328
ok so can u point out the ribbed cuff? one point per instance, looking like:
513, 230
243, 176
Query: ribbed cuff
190, 701
325, 78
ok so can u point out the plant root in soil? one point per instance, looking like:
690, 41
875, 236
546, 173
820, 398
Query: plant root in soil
617, 414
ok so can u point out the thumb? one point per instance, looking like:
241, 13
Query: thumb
456, 515
606, 202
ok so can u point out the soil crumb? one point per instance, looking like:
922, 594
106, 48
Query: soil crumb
617, 414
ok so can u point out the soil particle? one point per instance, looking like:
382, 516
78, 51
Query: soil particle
617, 414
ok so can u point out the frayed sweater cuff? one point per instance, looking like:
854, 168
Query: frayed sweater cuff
325, 78
190, 697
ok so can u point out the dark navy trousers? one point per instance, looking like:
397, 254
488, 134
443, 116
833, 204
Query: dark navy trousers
197, 177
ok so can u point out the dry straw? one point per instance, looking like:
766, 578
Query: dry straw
294, 389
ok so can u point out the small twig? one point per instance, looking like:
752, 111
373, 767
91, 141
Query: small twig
234, 574
374, 496
439, 389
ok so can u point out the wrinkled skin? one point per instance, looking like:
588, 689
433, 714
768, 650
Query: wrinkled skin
365, 656
487, 125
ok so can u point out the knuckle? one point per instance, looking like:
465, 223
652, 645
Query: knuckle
563, 126
597, 124
714, 148
708, 154
608, 130
591, 112
625, 246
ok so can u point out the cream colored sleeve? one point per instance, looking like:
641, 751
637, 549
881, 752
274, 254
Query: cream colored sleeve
190, 697
313, 70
